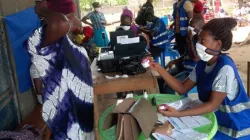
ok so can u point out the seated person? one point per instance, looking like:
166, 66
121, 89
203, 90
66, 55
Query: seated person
126, 21
185, 64
219, 85
127, 24
156, 29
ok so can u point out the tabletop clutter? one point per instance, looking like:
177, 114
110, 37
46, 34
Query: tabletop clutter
134, 117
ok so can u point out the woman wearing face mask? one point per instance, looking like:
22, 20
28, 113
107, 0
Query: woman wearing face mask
219, 85
98, 23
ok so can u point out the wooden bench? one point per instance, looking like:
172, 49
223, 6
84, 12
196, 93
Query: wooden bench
35, 119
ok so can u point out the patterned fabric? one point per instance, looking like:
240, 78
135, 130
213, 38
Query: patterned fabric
232, 116
27, 133
68, 92
96, 18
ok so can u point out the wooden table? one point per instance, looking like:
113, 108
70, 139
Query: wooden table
101, 85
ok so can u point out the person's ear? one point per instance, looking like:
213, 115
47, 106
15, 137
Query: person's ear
219, 44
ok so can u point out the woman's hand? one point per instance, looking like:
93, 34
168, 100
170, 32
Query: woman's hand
155, 66
170, 112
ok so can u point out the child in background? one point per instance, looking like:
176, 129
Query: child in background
127, 21
85, 39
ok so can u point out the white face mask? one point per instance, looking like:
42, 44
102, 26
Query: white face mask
201, 51
125, 27
97, 9
192, 29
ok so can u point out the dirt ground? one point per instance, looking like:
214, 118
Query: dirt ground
241, 55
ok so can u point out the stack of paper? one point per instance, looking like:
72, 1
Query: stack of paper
183, 126
185, 134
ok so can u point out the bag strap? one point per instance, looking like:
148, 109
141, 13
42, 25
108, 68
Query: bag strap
122, 127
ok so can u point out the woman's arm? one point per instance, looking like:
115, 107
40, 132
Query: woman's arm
210, 106
84, 20
193, 53
175, 84
57, 26
38, 85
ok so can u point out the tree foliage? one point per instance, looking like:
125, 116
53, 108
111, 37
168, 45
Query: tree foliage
87, 4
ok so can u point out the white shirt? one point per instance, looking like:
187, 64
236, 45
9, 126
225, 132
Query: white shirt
225, 81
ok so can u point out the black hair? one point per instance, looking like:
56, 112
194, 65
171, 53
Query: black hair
126, 20
221, 28
143, 15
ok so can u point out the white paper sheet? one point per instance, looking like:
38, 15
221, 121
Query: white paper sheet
130, 40
119, 38
177, 123
194, 134
161, 118
187, 122
161, 137
190, 122
202, 120
184, 134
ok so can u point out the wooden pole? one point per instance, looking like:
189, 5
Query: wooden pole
248, 79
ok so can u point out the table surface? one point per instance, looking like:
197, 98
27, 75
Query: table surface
135, 82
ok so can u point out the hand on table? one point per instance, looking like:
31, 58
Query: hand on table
170, 112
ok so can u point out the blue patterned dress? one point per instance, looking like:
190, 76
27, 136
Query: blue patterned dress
68, 94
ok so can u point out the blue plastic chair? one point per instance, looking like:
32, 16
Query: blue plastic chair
168, 50
165, 20
192, 91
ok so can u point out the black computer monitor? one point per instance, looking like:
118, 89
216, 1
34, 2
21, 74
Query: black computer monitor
126, 50
115, 34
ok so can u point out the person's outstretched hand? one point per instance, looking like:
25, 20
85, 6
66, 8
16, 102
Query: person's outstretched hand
170, 112
155, 66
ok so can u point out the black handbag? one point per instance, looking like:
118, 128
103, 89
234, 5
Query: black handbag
132, 68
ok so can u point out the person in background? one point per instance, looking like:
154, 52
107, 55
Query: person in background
198, 10
158, 34
127, 21
65, 73
183, 12
98, 23
219, 85
148, 4
84, 39
37, 83
217, 5
221, 13
186, 63
205, 6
